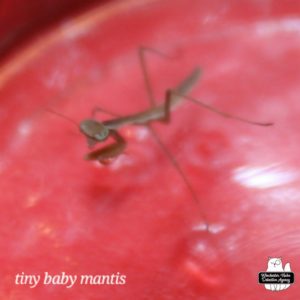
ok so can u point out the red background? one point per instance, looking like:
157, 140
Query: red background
60, 213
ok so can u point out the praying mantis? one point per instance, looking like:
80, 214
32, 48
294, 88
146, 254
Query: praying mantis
96, 131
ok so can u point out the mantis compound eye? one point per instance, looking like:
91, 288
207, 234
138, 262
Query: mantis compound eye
102, 135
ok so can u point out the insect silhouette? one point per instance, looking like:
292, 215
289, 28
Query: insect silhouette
97, 132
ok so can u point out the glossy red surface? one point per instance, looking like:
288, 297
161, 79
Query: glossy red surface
20, 20
60, 213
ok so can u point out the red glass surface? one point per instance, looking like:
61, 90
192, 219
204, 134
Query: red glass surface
60, 213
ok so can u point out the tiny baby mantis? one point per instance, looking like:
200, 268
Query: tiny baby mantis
96, 131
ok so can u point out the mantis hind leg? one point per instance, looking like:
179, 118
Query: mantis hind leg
175, 93
170, 101
142, 57
174, 97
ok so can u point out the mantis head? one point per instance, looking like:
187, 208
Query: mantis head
94, 130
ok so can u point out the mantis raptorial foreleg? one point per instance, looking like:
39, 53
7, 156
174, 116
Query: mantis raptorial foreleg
110, 151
